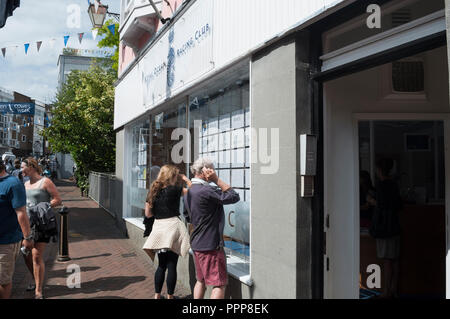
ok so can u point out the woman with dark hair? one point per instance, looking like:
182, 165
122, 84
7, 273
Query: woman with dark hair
385, 225
169, 237
39, 189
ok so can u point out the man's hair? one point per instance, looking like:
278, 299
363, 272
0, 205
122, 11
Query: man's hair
2, 166
198, 165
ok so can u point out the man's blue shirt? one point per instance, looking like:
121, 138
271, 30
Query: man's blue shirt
12, 196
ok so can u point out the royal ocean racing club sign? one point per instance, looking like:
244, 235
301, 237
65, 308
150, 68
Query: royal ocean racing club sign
17, 108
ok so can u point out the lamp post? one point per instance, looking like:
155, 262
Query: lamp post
98, 13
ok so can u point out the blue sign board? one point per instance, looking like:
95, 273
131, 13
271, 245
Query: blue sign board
17, 108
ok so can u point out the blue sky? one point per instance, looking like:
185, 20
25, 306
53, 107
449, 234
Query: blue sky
36, 73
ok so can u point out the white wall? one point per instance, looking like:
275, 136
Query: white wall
238, 28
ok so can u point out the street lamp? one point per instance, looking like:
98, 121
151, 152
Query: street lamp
98, 16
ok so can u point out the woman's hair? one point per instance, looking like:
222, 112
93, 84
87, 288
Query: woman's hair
17, 163
168, 175
32, 163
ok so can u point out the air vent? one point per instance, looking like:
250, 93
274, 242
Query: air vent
408, 76
400, 17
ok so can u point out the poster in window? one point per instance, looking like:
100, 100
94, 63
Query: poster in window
238, 138
238, 158
225, 123
237, 119
224, 175
224, 141
213, 143
237, 178
213, 126
224, 159
204, 145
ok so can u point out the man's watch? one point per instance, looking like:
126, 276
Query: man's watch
29, 238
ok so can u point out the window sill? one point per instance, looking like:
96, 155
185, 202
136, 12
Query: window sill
138, 222
237, 267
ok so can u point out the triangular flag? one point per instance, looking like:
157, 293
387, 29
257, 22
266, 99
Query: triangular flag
38, 44
27, 46
94, 33
4, 51
112, 28
52, 43
66, 38
96, 4
80, 37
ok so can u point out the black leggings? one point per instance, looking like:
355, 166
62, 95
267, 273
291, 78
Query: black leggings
167, 260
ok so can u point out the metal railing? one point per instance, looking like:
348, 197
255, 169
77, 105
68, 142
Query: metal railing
105, 190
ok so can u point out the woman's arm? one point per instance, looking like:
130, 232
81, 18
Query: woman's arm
53, 191
188, 183
148, 210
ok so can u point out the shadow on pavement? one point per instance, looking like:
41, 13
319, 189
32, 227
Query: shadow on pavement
91, 287
62, 273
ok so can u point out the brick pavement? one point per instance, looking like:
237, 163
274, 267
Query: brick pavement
110, 266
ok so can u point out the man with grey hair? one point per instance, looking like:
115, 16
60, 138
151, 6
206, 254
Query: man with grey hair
205, 206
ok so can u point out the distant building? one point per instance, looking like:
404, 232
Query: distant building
68, 63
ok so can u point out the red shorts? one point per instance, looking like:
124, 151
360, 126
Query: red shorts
211, 267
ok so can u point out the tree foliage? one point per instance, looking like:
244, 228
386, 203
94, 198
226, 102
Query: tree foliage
82, 122
110, 41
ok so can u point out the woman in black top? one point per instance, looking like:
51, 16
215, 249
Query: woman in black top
169, 237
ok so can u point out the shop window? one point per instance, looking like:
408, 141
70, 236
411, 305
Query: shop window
163, 125
223, 136
139, 177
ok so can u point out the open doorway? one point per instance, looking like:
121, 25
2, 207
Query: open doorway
411, 260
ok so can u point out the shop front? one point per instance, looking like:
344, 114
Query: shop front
386, 100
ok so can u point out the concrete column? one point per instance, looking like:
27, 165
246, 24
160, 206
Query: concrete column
274, 196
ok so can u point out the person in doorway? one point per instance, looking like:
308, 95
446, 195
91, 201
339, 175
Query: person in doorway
205, 207
14, 225
366, 196
169, 237
385, 226
38, 189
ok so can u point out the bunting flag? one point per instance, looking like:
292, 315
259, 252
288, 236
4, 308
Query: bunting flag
27, 46
94, 33
66, 39
3, 51
14, 50
80, 37
112, 28
38, 45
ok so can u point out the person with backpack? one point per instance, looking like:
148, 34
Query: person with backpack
39, 190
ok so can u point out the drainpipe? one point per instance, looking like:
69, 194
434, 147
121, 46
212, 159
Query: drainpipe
163, 20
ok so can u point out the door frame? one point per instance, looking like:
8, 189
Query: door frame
445, 117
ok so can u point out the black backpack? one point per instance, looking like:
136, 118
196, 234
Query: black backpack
43, 220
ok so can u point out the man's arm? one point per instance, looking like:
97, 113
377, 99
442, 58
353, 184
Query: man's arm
24, 223
228, 195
